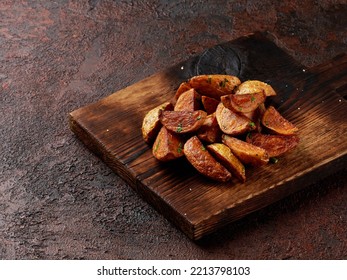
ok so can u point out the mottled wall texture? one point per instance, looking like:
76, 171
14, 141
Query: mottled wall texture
59, 201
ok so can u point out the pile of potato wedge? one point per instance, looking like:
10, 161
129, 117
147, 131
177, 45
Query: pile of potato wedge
220, 125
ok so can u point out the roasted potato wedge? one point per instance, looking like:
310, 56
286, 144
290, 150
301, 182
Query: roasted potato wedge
224, 155
167, 146
274, 121
243, 103
210, 104
188, 101
151, 123
253, 86
275, 145
204, 162
209, 131
182, 121
246, 152
182, 88
232, 123
214, 85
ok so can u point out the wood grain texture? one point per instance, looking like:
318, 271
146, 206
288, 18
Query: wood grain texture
311, 98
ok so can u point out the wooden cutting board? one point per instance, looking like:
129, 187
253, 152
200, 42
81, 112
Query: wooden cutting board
313, 99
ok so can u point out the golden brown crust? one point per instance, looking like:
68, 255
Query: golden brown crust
204, 162
252, 86
182, 88
151, 123
210, 104
243, 103
188, 101
275, 145
232, 123
212, 109
246, 152
167, 146
224, 155
214, 85
182, 121
274, 121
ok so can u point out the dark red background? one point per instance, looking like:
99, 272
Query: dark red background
58, 201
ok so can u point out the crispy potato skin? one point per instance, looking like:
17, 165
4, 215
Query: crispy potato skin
275, 145
214, 85
182, 121
188, 101
213, 110
252, 86
167, 146
151, 123
224, 155
182, 88
204, 162
232, 123
243, 103
246, 152
209, 132
274, 121
210, 104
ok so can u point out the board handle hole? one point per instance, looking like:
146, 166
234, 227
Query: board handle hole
221, 59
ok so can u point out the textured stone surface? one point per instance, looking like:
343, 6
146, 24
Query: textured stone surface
58, 201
